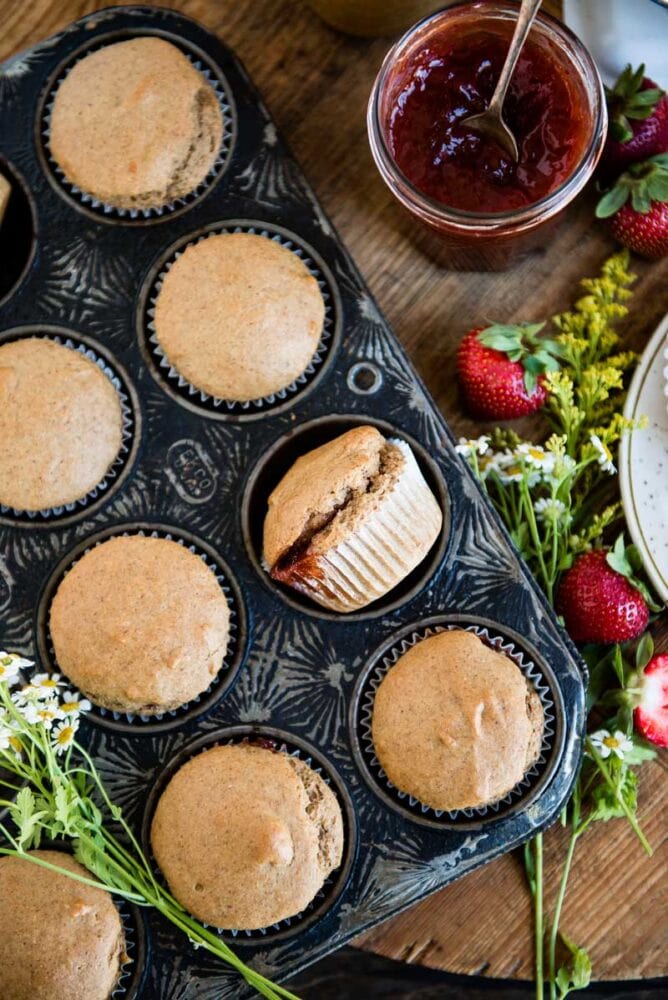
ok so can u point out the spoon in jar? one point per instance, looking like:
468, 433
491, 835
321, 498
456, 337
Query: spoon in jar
490, 122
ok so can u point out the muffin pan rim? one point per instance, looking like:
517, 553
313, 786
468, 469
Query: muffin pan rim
78, 199
516, 799
239, 639
48, 518
433, 562
228, 411
334, 887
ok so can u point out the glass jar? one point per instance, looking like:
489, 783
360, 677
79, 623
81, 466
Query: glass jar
465, 240
373, 17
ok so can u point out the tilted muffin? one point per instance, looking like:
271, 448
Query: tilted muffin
61, 424
140, 625
135, 125
350, 520
239, 316
246, 836
455, 723
58, 937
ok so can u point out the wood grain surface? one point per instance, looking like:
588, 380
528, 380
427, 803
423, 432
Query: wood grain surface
316, 83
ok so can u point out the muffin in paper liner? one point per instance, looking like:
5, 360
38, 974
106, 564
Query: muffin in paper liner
230, 662
132, 971
111, 212
335, 882
378, 552
121, 463
207, 402
407, 802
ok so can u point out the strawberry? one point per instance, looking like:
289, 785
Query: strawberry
641, 225
638, 116
599, 603
501, 370
651, 713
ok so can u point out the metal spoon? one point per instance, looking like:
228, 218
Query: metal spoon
491, 122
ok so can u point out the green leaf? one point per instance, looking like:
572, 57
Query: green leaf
651, 96
612, 201
640, 200
620, 130
617, 559
644, 651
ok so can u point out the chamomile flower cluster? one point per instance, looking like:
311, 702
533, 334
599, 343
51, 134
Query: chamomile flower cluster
44, 702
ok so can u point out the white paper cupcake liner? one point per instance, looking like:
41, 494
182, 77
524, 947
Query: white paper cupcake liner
229, 663
222, 91
215, 403
418, 809
381, 552
330, 889
118, 467
130, 971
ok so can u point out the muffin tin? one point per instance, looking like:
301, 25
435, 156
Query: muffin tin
200, 470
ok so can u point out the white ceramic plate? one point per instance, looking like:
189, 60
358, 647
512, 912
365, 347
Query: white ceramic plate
643, 461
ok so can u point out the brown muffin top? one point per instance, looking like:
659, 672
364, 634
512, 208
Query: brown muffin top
59, 937
140, 624
246, 836
135, 124
60, 424
239, 316
320, 484
455, 723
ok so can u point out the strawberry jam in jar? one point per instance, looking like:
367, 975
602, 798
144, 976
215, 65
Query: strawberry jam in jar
483, 208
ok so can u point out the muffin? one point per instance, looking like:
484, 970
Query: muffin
350, 520
246, 836
239, 316
60, 938
140, 625
135, 125
61, 424
455, 723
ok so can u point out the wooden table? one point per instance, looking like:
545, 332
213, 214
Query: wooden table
316, 83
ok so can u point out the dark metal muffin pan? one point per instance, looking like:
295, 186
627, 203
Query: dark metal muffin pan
203, 472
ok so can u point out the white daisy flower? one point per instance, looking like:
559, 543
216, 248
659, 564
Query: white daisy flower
512, 468
71, 703
467, 446
43, 713
607, 743
537, 457
10, 664
604, 455
45, 685
63, 735
551, 509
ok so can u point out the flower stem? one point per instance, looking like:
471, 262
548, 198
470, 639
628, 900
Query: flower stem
539, 927
635, 826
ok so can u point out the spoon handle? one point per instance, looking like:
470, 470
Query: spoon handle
525, 18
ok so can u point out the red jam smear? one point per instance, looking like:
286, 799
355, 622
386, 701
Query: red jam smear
454, 76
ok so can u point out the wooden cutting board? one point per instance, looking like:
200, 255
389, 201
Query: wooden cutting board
316, 83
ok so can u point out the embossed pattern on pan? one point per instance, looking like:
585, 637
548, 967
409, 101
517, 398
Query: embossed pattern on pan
280, 742
111, 213
230, 663
213, 406
131, 432
190, 475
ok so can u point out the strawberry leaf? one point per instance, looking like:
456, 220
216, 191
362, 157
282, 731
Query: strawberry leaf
618, 560
612, 201
644, 651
